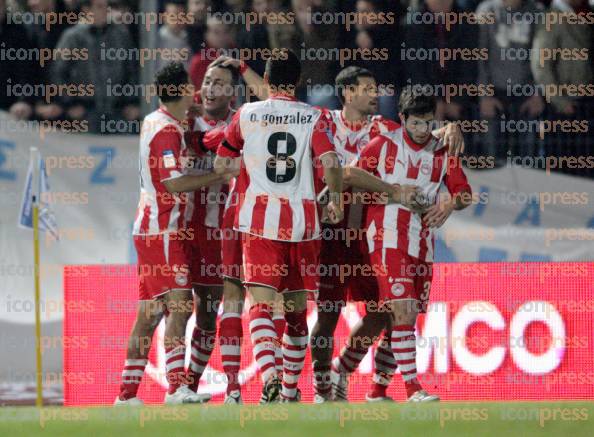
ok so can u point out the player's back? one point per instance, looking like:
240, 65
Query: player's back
278, 160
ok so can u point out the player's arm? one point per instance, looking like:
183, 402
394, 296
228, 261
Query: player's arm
460, 196
252, 79
228, 157
323, 149
166, 148
368, 176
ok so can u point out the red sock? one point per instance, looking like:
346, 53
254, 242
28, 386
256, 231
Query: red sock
279, 327
131, 377
263, 338
230, 339
405, 351
174, 366
294, 348
202, 345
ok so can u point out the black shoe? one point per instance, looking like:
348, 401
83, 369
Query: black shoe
271, 390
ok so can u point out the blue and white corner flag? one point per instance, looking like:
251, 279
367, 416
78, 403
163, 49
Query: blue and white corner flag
37, 190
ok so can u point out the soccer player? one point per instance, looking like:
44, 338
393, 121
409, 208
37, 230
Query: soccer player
277, 214
160, 238
353, 127
401, 239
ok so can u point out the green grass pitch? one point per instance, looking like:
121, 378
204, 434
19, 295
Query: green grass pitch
501, 419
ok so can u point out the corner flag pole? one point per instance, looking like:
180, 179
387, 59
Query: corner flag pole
35, 192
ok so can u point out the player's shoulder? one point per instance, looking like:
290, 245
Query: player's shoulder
159, 122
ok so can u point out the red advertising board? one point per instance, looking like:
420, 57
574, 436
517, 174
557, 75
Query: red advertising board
494, 331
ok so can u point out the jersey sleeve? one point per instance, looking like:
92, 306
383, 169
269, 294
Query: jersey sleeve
321, 138
369, 156
381, 126
213, 138
166, 148
232, 143
455, 179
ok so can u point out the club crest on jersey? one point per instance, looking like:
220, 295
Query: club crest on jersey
425, 168
181, 276
168, 159
397, 288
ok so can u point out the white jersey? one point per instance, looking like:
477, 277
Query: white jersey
349, 141
280, 138
397, 160
161, 155
206, 206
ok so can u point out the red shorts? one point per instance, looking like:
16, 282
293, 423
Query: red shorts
345, 272
205, 256
402, 277
283, 265
163, 264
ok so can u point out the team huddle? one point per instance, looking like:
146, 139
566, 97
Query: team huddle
234, 204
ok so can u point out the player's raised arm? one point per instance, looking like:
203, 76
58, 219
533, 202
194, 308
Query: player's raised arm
252, 79
451, 134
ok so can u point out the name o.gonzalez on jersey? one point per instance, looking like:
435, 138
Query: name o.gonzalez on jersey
397, 159
279, 139
161, 157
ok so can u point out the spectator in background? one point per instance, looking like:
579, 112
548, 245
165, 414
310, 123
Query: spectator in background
114, 80
423, 66
44, 38
384, 40
173, 35
218, 38
15, 71
508, 41
317, 47
563, 70
198, 12
256, 37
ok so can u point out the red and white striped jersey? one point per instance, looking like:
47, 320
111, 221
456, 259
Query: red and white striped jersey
396, 159
349, 139
280, 139
206, 205
162, 150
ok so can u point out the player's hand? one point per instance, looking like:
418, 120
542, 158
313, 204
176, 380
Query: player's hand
409, 196
453, 138
436, 215
334, 213
227, 61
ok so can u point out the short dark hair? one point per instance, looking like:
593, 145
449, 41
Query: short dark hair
170, 81
234, 71
416, 100
349, 77
283, 69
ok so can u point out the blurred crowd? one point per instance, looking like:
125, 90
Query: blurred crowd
540, 77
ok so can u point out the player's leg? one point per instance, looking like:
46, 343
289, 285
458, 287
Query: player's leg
295, 340
363, 335
322, 346
384, 367
231, 336
179, 306
150, 313
264, 342
207, 299
278, 318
